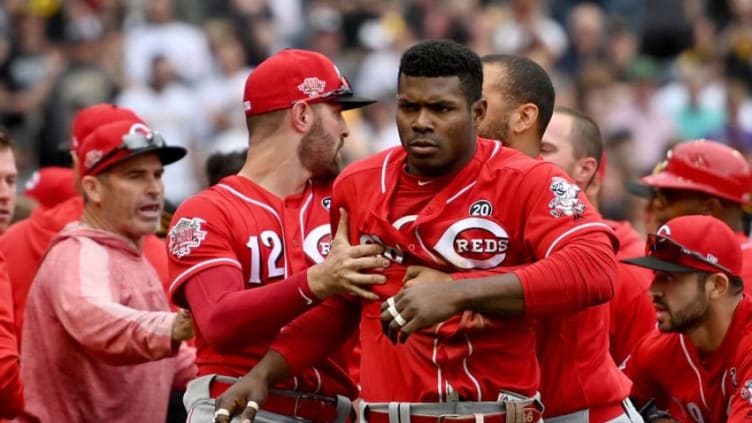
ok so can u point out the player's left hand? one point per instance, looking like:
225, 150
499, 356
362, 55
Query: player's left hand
245, 395
418, 306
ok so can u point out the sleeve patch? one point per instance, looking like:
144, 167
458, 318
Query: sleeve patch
565, 201
185, 235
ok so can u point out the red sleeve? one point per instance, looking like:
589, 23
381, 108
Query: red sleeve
740, 403
579, 275
322, 330
230, 316
632, 315
637, 369
200, 238
11, 388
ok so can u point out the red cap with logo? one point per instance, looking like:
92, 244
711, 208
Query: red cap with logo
115, 142
51, 185
693, 243
294, 75
89, 118
705, 166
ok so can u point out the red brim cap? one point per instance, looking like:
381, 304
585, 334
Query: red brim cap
667, 180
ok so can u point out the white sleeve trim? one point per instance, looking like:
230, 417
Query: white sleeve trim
206, 263
573, 230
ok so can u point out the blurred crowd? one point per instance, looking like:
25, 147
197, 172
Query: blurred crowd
652, 74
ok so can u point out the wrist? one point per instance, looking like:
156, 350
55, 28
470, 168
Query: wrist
313, 281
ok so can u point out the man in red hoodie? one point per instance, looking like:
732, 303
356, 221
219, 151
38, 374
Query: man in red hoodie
100, 342
24, 243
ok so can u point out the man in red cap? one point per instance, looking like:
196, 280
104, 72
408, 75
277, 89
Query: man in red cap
98, 324
697, 367
51, 185
252, 252
704, 177
24, 243
573, 142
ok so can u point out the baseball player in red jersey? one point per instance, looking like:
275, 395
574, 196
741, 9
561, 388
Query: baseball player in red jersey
572, 346
24, 243
252, 252
573, 142
451, 201
698, 367
704, 177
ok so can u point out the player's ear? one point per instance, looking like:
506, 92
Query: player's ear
587, 166
478, 111
524, 118
302, 116
91, 188
717, 285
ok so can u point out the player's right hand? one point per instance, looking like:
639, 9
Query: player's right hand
182, 328
244, 396
341, 271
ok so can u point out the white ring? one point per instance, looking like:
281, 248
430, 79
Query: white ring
390, 302
397, 316
221, 412
252, 404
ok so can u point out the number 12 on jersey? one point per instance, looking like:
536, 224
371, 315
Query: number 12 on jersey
269, 239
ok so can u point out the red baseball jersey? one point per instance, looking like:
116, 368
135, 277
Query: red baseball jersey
631, 311
693, 387
746, 244
501, 209
237, 223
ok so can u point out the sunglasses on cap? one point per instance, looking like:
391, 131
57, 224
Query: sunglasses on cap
134, 141
343, 90
669, 250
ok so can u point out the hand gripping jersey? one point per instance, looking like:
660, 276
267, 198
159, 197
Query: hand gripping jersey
237, 223
716, 387
501, 209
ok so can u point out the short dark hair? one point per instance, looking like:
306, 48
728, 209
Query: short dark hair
524, 81
438, 58
586, 137
220, 164
5, 140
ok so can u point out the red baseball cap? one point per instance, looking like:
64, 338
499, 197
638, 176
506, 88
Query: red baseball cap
693, 243
115, 142
51, 185
705, 166
293, 75
90, 118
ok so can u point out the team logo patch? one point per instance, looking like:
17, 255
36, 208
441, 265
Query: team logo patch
565, 201
185, 235
474, 243
326, 202
92, 158
312, 86
746, 392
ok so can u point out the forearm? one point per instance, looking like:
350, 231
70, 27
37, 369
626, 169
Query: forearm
573, 278
316, 335
272, 369
222, 309
570, 279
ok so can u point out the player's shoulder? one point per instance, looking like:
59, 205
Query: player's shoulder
501, 158
659, 347
372, 165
